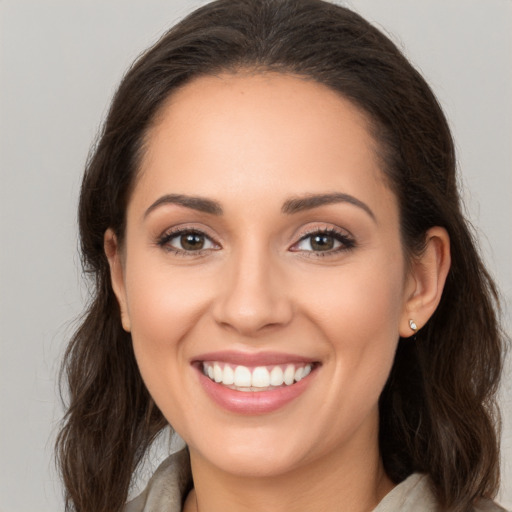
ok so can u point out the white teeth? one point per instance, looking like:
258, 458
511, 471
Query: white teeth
217, 373
242, 377
289, 374
258, 378
299, 373
228, 377
276, 376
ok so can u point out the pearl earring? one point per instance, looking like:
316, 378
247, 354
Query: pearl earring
412, 325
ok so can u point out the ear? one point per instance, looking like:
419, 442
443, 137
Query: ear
114, 256
425, 282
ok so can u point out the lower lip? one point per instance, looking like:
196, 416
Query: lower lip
253, 402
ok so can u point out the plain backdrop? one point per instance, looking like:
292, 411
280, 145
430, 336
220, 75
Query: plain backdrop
60, 62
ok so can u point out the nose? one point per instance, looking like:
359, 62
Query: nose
252, 296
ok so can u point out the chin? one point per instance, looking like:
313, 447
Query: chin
251, 463
258, 452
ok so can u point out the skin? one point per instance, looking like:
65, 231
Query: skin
252, 142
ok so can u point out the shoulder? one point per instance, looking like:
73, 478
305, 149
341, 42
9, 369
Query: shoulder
488, 506
167, 487
172, 480
415, 494
411, 494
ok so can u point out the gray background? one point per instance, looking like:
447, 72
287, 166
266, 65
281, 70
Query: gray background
59, 64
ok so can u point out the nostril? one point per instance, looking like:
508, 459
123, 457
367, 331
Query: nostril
248, 315
251, 296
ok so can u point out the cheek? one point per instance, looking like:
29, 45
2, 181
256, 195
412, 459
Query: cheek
364, 335
359, 311
163, 306
162, 301
360, 302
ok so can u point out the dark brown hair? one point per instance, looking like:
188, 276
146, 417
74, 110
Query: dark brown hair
437, 410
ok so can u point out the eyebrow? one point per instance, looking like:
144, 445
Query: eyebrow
195, 203
309, 202
289, 207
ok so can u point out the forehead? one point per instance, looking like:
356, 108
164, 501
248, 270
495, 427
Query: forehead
259, 133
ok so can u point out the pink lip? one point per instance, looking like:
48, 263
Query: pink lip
252, 402
250, 360
257, 402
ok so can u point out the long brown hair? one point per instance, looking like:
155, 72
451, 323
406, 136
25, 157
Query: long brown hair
437, 410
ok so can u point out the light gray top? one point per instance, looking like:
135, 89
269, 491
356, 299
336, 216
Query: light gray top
165, 492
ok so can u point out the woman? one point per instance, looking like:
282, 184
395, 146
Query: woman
284, 275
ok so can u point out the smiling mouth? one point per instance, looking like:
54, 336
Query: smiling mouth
254, 379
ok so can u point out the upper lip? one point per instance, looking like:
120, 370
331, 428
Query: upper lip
252, 359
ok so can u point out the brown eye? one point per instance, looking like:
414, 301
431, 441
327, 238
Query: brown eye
323, 242
320, 242
187, 241
192, 241
330, 241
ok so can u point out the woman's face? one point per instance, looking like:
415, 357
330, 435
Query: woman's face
263, 249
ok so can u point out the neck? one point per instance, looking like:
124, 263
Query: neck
351, 478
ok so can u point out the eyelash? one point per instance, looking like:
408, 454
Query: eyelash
346, 242
163, 241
